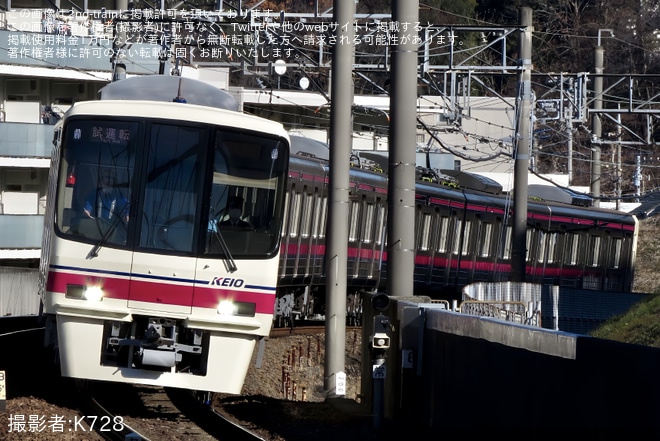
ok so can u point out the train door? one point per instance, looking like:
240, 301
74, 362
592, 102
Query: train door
163, 266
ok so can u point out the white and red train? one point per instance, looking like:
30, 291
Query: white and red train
462, 236
147, 278
142, 280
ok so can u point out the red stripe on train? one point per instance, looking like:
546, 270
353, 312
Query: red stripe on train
317, 251
201, 296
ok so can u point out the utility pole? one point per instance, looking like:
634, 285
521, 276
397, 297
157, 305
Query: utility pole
402, 145
569, 142
619, 170
521, 165
596, 129
336, 256
118, 43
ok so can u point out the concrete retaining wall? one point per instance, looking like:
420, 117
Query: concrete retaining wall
447, 369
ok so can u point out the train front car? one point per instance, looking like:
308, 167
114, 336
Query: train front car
162, 242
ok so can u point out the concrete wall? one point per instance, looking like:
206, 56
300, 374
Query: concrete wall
471, 372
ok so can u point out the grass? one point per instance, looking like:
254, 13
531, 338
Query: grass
640, 325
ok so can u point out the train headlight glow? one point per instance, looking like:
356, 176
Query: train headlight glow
227, 307
94, 293
80, 292
243, 309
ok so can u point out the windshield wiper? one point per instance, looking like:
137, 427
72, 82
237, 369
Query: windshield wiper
230, 263
94, 252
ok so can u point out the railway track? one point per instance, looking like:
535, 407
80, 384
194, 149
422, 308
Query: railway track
138, 412
305, 330
97, 418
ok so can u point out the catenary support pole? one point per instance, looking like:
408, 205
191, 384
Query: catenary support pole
569, 143
402, 145
118, 43
521, 153
341, 128
596, 129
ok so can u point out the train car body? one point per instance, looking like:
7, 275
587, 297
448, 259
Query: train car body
462, 236
156, 286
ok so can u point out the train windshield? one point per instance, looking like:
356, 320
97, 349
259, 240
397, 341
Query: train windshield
165, 187
96, 180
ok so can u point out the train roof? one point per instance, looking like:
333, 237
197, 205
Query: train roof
168, 89
474, 181
309, 147
557, 194
314, 169
176, 111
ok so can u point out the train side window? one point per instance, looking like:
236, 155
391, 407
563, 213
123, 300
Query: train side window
456, 236
425, 232
305, 222
542, 244
616, 252
354, 221
507, 243
572, 248
323, 215
368, 223
381, 232
551, 239
443, 233
296, 207
285, 221
529, 243
467, 238
594, 245
486, 239
317, 221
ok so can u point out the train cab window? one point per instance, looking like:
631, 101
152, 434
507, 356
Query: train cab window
95, 181
247, 182
173, 183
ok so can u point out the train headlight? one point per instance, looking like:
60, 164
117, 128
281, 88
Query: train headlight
227, 307
243, 309
80, 292
94, 293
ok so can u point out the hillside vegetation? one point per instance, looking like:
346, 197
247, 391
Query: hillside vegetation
647, 278
641, 324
